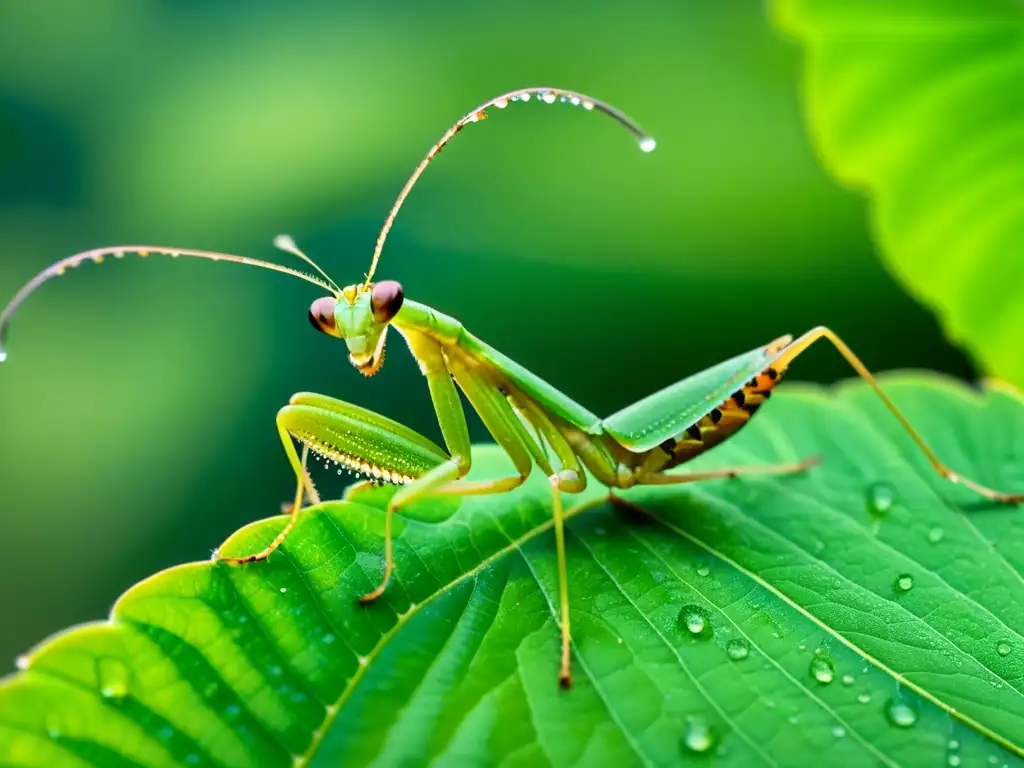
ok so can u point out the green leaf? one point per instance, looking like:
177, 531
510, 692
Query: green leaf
921, 104
866, 612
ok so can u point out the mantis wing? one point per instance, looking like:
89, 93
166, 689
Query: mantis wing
668, 412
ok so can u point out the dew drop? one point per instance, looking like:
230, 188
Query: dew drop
905, 582
549, 98
525, 96
114, 677
21, 663
954, 744
328, 639
848, 679
695, 620
283, 590
1003, 649
864, 698
703, 571
953, 761
935, 535
737, 649
698, 737
166, 733
822, 670
647, 144
900, 714
880, 499
838, 731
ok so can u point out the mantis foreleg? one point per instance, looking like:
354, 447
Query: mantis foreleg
448, 478
304, 485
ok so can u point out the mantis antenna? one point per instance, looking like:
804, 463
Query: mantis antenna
97, 255
546, 95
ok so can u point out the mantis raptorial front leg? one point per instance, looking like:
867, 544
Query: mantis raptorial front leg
304, 489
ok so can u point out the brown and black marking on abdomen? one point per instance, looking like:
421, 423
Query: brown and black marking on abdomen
724, 421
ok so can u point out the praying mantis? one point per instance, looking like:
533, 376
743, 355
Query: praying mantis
533, 423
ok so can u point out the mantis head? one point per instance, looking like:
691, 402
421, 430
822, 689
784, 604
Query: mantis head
361, 317
359, 314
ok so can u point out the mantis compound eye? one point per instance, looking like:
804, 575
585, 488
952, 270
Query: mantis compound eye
385, 300
321, 316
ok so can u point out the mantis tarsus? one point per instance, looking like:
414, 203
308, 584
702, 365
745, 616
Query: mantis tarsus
534, 423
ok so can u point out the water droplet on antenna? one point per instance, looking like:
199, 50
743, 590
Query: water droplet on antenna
647, 143
549, 97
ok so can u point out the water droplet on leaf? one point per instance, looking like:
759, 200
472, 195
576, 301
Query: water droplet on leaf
838, 731
1004, 649
905, 582
697, 736
737, 649
935, 535
822, 670
703, 571
696, 621
864, 698
847, 679
900, 714
114, 677
880, 499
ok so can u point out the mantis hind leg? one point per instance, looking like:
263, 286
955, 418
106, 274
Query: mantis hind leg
664, 478
801, 344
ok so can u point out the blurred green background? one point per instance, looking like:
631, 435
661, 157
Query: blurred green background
137, 407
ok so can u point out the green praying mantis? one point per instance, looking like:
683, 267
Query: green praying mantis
534, 423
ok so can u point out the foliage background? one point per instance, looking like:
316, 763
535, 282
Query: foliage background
138, 397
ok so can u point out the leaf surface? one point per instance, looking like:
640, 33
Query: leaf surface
921, 104
863, 613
